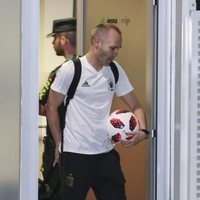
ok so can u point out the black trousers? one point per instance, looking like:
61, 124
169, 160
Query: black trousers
101, 172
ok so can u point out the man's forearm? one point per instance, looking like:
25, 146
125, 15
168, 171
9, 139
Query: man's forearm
54, 124
139, 112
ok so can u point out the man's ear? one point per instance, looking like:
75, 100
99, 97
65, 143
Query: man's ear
97, 43
63, 39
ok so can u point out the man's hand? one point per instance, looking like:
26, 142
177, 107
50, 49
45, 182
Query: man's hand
57, 156
134, 138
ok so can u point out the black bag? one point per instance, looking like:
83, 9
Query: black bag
45, 190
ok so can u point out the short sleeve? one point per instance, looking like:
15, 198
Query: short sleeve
63, 78
123, 85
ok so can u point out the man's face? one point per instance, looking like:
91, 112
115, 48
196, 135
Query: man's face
57, 45
109, 46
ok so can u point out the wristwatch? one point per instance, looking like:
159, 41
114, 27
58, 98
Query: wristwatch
145, 131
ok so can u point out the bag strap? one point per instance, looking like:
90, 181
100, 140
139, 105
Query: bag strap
72, 90
75, 81
115, 71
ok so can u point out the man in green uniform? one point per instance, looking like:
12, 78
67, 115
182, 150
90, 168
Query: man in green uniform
64, 43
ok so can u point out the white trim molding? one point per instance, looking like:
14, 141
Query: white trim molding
164, 100
29, 100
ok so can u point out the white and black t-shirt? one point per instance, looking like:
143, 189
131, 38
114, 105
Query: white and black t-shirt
87, 113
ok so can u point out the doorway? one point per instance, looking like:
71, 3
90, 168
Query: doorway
133, 25
133, 57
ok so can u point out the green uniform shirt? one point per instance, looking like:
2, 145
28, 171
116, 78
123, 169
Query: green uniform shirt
43, 94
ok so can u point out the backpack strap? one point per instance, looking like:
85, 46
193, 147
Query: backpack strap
75, 81
115, 71
71, 91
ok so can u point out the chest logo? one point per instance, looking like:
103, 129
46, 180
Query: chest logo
85, 84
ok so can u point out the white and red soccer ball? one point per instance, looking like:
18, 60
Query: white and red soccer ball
120, 122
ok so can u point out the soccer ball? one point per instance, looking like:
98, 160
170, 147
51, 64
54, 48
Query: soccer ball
119, 123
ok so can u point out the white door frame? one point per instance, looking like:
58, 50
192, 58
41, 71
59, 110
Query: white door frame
29, 100
173, 99
164, 97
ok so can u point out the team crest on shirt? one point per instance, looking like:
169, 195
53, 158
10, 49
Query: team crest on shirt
110, 84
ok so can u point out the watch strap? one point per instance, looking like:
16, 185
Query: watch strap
147, 132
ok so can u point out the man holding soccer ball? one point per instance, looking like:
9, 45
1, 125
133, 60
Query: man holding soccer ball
88, 158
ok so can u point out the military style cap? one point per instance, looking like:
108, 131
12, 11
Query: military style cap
63, 25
